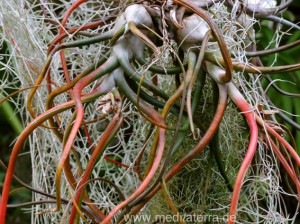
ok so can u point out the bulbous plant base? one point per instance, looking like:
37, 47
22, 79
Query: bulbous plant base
150, 111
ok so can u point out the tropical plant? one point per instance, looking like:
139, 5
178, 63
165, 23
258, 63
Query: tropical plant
153, 108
